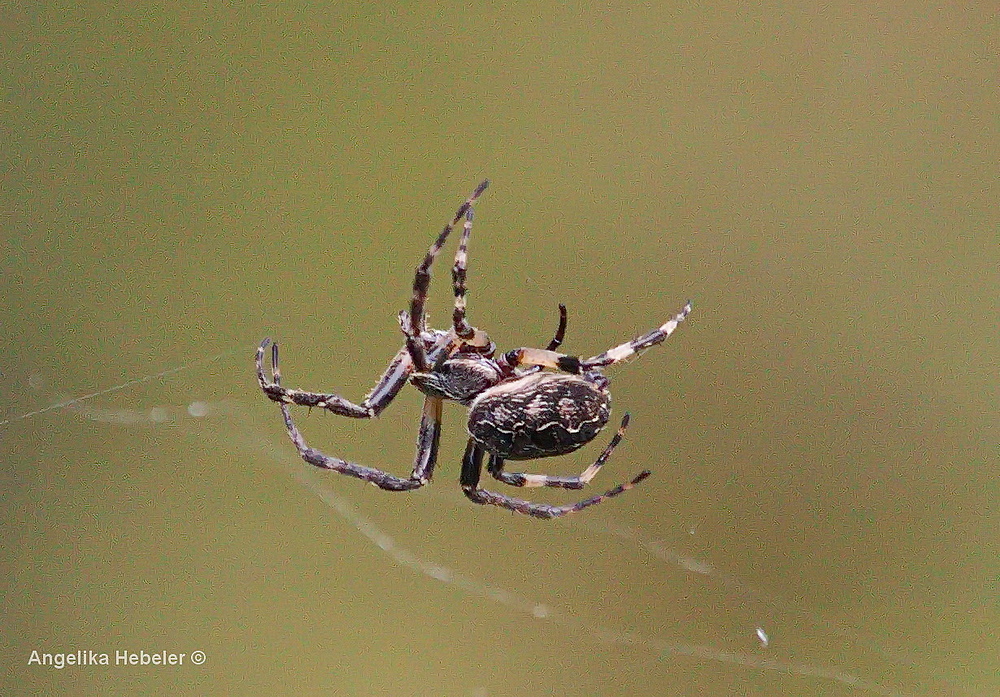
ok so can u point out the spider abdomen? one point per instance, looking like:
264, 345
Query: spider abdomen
540, 415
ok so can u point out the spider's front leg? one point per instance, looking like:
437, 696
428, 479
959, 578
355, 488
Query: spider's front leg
423, 464
422, 281
372, 405
428, 438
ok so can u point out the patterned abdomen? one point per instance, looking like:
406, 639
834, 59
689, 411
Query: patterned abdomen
541, 415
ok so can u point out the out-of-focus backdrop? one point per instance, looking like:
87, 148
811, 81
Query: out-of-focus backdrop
180, 181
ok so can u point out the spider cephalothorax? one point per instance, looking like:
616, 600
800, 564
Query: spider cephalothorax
525, 404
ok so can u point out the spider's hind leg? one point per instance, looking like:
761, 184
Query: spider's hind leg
639, 344
560, 330
520, 479
515, 359
548, 358
472, 464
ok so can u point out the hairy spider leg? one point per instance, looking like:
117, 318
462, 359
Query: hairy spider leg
495, 468
372, 405
422, 282
560, 330
639, 344
549, 358
555, 343
472, 464
458, 275
428, 438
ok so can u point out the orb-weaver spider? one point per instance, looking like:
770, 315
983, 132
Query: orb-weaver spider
519, 409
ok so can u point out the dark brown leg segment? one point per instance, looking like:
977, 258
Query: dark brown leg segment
472, 464
372, 405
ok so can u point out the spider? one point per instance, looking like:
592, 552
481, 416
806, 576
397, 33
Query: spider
525, 404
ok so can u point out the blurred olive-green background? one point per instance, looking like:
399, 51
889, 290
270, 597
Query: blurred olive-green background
180, 181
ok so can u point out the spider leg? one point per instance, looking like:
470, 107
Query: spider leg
553, 345
458, 273
472, 464
422, 282
495, 468
537, 359
560, 330
639, 344
428, 438
372, 405
547, 358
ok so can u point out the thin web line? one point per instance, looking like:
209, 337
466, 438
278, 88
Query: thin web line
115, 388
